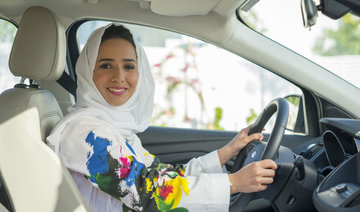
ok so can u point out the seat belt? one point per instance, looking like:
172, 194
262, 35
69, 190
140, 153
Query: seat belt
68, 83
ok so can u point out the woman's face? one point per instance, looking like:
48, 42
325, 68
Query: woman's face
116, 72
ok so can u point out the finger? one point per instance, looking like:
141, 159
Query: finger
268, 164
247, 129
261, 137
262, 187
267, 180
268, 173
256, 136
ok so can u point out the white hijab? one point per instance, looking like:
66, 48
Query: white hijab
131, 117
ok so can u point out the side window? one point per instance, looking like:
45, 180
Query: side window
201, 86
7, 35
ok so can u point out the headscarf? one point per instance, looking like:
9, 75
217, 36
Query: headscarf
129, 118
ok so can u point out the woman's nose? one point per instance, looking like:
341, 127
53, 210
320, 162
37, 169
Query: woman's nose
118, 75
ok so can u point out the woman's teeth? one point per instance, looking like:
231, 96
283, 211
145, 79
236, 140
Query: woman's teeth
116, 90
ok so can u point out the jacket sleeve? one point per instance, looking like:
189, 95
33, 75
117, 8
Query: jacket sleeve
208, 163
115, 168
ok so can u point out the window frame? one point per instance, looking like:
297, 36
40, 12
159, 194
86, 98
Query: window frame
73, 53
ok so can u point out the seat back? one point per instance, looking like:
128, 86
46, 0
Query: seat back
31, 174
38, 53
34, 177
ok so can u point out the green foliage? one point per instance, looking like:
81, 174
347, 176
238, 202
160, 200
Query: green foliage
7, 31
163, 206
218, 117
293, 100
252, 117
342, 41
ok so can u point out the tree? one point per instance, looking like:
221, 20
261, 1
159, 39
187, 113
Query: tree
342, 41
7, 31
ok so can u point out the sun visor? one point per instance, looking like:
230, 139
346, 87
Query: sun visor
181, 8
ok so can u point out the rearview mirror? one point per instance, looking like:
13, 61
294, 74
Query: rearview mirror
308, 12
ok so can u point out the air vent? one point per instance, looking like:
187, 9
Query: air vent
311, 150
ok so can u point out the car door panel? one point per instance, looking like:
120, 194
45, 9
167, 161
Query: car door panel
179, 145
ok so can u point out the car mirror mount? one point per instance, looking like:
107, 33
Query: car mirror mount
309, 13
334, 9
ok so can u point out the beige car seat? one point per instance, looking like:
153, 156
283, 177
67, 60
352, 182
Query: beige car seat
38, 53
32, 177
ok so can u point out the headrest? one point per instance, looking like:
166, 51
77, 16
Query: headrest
39, 48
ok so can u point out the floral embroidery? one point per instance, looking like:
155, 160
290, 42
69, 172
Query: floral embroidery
168, 195
158, 187
125, 165
167, 188
147, 153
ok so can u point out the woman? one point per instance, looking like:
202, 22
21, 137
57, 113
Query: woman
97, 142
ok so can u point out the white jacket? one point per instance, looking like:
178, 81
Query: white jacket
111, 171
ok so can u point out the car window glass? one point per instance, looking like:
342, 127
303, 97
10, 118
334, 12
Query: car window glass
7, 35
199, 85
333, 44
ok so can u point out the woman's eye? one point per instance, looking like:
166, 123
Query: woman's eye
129, 67
105, 66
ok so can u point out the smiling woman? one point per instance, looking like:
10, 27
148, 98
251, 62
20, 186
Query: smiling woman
116, 73
213, 75
98, 140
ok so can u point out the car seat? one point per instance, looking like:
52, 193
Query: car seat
32, 177
38, 54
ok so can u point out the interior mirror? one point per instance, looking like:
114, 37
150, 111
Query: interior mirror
336, 9
296, 114
308, 12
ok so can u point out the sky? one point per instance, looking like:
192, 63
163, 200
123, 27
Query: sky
283, 21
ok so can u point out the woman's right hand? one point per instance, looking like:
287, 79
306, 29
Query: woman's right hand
254, 177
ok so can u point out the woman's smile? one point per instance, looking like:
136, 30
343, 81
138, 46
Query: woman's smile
117, 91
116, 72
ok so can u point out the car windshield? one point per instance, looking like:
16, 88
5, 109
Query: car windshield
333, 44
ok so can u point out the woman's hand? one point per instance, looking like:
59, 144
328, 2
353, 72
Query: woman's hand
237, 143
254, 177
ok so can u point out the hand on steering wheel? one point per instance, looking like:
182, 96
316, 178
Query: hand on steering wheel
253, 177
280, 105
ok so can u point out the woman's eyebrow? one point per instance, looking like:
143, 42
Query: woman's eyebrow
105, 59
129, 60
110, 59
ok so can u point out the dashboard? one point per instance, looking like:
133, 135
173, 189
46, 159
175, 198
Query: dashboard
340, 140
337, 159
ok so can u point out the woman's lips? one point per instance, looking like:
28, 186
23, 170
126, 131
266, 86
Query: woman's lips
117, 90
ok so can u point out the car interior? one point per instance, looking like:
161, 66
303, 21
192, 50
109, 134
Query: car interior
35, 111
318, 159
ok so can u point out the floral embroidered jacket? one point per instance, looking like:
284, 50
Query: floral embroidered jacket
114, 173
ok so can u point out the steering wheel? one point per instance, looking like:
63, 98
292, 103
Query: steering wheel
279, 105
